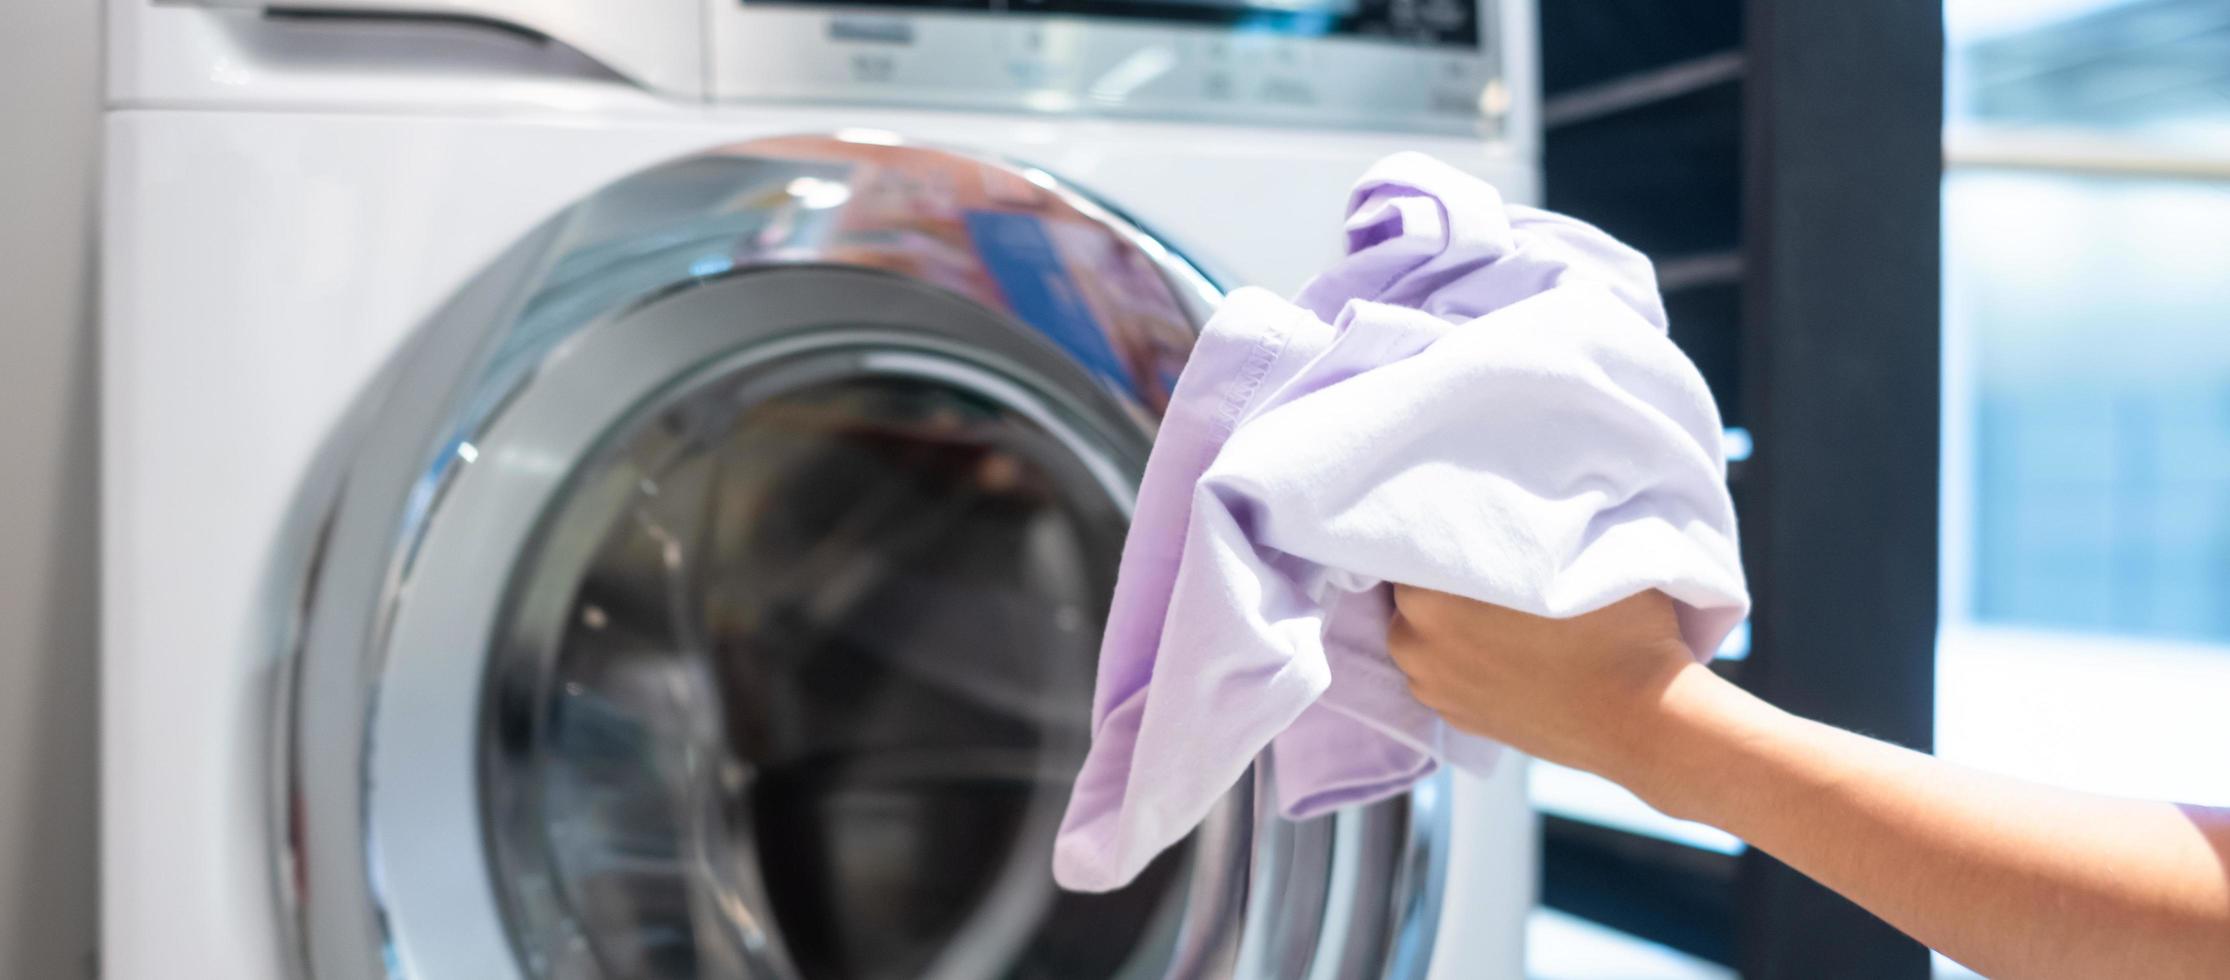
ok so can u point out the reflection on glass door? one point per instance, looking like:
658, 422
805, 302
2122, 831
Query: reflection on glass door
824, 676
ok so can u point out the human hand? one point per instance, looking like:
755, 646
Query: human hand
1587, 692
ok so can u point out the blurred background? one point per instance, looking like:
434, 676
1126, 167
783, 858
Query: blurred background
2085, 394
2046, 551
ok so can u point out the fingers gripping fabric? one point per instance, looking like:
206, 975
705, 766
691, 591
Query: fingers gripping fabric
1479, 399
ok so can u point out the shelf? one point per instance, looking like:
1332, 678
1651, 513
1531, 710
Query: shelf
1641, 89
1587, 42
1698, 271
1666, 892
1665, 178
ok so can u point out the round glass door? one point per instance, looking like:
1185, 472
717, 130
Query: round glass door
713, 589
805, 670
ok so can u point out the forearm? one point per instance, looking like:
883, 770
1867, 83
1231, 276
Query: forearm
2011, 878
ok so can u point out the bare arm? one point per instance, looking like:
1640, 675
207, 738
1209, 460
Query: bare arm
2011, 878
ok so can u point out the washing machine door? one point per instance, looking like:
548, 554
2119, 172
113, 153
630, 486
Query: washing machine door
713, 589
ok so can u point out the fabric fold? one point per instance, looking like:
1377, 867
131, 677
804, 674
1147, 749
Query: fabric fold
1479, 399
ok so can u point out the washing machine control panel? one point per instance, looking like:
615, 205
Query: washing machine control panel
1420, 65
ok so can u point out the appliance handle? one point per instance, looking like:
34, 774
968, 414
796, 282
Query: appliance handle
653, 44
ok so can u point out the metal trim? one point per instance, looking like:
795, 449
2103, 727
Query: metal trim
641, 243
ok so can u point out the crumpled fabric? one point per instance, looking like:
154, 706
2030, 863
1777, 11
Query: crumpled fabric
1481, 399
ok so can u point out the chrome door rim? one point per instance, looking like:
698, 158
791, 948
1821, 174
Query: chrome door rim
351, 736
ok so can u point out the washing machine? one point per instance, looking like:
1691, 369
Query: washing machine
629, 488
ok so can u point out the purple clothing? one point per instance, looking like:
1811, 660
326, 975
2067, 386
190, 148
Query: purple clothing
1478, 399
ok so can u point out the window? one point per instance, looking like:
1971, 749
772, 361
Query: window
2086, 504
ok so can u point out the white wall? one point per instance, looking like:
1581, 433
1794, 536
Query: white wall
49, 101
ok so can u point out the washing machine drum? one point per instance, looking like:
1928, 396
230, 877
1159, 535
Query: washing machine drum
713, 589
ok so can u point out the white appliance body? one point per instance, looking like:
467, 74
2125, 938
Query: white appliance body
289, 201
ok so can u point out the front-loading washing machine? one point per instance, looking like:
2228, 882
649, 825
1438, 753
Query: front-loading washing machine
615, 490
